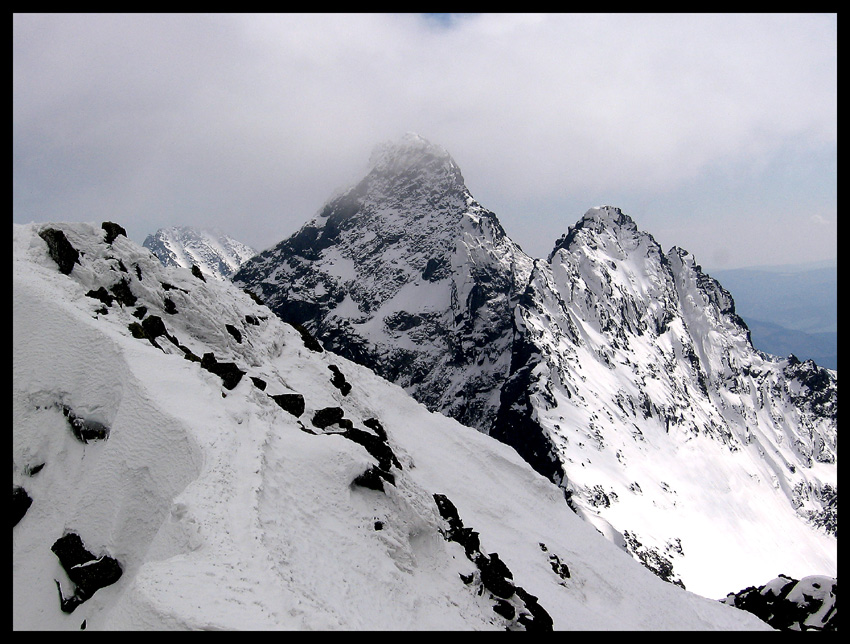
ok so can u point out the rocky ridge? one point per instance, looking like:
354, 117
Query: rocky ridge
213, 253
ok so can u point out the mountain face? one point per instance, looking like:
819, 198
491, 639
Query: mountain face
407, 274
185, 460
620, 372
216, 254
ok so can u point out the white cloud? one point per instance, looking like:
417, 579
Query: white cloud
261, 117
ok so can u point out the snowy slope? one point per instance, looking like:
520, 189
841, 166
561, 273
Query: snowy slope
215, 253
617, 370
163, 428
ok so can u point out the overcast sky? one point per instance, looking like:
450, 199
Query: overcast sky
716, 133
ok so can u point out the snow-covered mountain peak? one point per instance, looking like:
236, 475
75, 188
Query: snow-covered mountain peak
411, 151
213, 251
606, 232
412, 170
608, 216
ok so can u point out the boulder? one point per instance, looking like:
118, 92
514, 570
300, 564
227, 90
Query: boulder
60, 249
21, 502
112, 231
87, 572
229, 373
293, 403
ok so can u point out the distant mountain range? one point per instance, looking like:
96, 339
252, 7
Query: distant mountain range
790, 309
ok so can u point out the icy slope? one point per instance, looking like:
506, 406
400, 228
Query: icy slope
187, 435
215, 253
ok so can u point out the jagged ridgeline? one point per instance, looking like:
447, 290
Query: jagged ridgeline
185, 460
212, 252
618, 370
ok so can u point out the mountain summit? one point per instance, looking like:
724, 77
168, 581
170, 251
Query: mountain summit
619, 371
407, 274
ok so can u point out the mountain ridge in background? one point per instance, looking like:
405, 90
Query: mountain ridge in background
789, 308
214, 252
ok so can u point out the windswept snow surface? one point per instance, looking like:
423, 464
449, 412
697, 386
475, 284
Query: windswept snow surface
226, 511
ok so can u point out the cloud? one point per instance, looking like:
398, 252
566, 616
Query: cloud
249, 122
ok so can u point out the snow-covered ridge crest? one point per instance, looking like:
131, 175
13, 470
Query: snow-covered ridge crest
246, 479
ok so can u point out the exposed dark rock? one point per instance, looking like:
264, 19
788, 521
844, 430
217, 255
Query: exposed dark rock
87, 572
253, 296
197, 273
112, 231
338, 380
170, 307
377, 446
21, 502
123, 294
60, 249
505, 609
374, 478
229, 373
789, 604
436, 269
102, 295
154, 327
137, 330
309, 341
327, 416
496, 577
375, 424
232, 330
35, 469
538, 619
651, 558
252, 319
559, 568
140, 312
293, 403
259, 383
85, 430
188, 355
